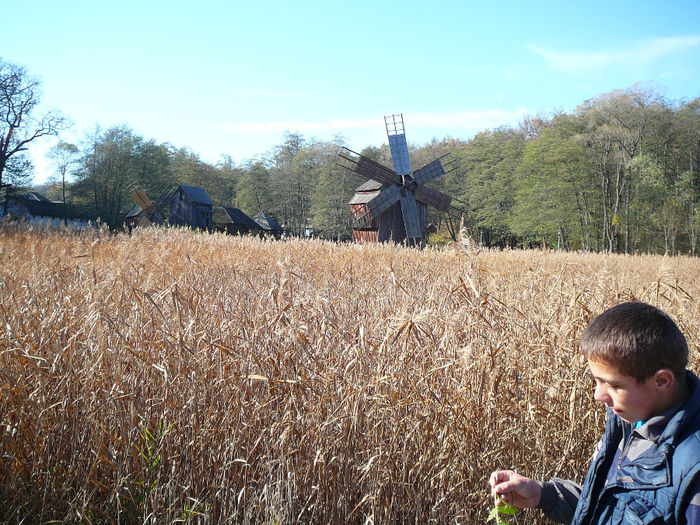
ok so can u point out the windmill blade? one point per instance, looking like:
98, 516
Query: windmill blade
387, 197
361, 165
410, 215
142, 199
433, 198
434, 170
397, 143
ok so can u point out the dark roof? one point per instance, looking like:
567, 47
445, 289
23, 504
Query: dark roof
47, 208
197, 195
35, 196
266, 222
370, 185
235, 216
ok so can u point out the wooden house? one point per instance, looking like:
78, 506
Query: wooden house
389, 225
191, 206
233, 221
268, 224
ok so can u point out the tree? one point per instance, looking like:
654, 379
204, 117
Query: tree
289, 178
329, 203
253, 189
64, 156
485, 180
19, 96
108, 171
554, 197
617, 125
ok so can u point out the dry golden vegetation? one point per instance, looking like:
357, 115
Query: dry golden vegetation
172, 376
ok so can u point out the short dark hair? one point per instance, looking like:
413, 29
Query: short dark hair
638, 339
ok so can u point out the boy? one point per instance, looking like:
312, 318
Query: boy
646, 468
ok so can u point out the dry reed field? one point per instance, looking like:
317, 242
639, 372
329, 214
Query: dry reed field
178, 377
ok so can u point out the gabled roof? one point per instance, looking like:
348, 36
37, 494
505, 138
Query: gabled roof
370, 185
229, 214
267, 223
197, 195
364, 197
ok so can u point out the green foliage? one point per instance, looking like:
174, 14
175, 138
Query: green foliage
486, 178
500, 509
438, 239
553, 198
253, 189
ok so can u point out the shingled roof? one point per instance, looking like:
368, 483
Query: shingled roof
267, 223
234, 215
197, 195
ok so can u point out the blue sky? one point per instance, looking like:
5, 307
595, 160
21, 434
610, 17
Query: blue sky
231, 77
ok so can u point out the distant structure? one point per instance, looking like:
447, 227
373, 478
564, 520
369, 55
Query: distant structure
146, 212
268, 224
137, 217
233, 221
392, 206
37, 209
191, 206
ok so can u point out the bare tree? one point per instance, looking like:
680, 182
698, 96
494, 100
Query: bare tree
19, 96
64, 156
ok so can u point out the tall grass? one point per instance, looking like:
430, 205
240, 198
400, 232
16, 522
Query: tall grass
172, 376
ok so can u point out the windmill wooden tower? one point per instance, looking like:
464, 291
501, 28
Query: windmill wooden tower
392, 205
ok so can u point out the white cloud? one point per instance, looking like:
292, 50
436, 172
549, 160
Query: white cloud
464, 119
650, 50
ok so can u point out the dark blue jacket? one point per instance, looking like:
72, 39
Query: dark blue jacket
656, 487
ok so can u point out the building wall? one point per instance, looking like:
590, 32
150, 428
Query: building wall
389, 225
184, 212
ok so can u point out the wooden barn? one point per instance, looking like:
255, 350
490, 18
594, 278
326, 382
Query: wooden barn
233, 221
389, 225
268, 224
191, 206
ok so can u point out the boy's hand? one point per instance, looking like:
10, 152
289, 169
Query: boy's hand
515, 489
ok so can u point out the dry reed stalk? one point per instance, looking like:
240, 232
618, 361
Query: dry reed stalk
173, 375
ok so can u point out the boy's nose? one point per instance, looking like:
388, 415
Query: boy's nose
601, 394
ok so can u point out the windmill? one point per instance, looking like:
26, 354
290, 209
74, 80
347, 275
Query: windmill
394, 202
147, 212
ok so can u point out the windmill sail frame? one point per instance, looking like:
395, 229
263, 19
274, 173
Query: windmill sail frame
396, 203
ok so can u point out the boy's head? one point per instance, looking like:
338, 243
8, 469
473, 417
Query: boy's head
636, 338
637, 356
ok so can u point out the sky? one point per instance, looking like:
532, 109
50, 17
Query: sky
232, 77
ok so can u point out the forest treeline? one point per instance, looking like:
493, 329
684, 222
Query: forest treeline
619, 174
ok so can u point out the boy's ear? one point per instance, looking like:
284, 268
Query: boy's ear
664, 379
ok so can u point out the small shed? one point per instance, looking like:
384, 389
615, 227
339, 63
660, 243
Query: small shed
268, 224
191, 206
233, 221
